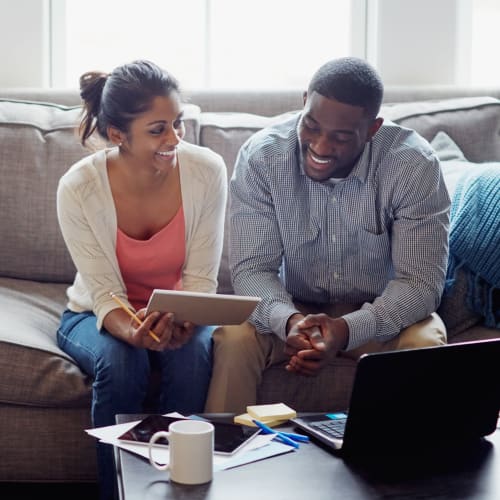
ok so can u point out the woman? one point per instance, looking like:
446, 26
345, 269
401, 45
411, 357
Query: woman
147, 213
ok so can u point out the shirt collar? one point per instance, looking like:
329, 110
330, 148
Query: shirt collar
361, 167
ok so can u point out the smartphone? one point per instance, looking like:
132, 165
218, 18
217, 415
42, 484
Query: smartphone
228, 438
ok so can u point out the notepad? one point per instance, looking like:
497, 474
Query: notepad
269, 414
276, 411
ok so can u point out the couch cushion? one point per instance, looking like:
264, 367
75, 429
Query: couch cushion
39, 373
31, 312
225, 133
38, 143
46, 445
42, 379
472, 122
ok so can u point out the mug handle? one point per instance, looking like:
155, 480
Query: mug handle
154, 438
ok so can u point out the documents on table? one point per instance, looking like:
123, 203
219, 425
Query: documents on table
258, 448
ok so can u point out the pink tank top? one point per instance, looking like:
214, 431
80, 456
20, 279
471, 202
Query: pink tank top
153, 263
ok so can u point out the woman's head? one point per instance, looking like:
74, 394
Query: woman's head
117, 98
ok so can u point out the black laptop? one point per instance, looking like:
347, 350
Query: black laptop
416, 400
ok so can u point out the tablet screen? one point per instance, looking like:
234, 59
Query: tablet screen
228, 437
203, 308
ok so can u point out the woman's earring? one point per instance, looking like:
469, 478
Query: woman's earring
120, 144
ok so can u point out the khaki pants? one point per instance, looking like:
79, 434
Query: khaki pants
241, 355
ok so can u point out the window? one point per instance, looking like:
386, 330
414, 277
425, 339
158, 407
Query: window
265, 44
221, 44
484, 67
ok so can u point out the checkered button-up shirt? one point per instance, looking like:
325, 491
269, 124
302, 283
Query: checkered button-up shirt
378, 238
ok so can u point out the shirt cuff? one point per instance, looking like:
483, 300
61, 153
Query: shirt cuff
279, 318
362, 327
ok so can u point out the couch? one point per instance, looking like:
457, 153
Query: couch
44, 396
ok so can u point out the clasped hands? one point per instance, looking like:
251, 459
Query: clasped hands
311, 340
171, 335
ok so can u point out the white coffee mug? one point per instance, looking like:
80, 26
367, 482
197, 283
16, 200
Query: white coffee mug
191, 450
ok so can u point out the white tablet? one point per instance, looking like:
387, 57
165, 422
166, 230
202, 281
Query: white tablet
203, 308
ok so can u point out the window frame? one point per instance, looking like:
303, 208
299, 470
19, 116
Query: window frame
57, 39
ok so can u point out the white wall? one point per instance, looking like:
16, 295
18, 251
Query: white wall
419, 42
24, 43
410, 42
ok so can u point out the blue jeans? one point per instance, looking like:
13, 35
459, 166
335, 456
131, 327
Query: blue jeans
120, 374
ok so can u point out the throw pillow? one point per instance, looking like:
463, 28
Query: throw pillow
453, 162
475, 239
469, 293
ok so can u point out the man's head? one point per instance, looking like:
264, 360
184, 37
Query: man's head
339, 117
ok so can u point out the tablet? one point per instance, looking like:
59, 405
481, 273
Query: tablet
203, 308
228, 438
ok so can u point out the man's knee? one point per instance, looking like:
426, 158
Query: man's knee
233, 339
429, 332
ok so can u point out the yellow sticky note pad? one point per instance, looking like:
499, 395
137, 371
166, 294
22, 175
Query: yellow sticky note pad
276, 411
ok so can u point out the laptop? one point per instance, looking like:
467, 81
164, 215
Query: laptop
432, 398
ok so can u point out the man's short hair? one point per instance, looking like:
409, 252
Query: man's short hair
352, 81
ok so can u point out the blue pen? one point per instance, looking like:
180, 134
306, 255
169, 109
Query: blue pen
296, 437
291, 435
280, 435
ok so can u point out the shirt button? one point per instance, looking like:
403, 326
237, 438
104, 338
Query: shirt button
334, 238
336, 275
334, 199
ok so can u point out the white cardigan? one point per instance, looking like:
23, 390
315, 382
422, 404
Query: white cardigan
87, 218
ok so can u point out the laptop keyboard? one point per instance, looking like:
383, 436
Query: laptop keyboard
333, 428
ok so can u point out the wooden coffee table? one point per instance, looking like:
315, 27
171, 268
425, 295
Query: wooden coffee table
312, 472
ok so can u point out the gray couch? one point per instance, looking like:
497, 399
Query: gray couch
44, 397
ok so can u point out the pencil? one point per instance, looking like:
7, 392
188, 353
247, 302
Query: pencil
131, 314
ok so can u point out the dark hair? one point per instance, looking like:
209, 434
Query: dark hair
118, 97
350, 80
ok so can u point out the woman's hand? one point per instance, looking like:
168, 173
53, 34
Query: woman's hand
160, 324
181, 335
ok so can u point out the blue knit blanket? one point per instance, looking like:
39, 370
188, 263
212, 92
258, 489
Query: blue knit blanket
475, 239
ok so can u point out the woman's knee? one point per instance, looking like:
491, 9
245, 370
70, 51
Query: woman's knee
202, 339
198, 350
120, 363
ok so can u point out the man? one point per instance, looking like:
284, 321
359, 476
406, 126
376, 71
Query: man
339, 221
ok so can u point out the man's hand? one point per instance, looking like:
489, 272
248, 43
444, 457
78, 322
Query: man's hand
312, 339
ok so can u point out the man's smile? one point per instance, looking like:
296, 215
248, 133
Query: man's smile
318, 159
